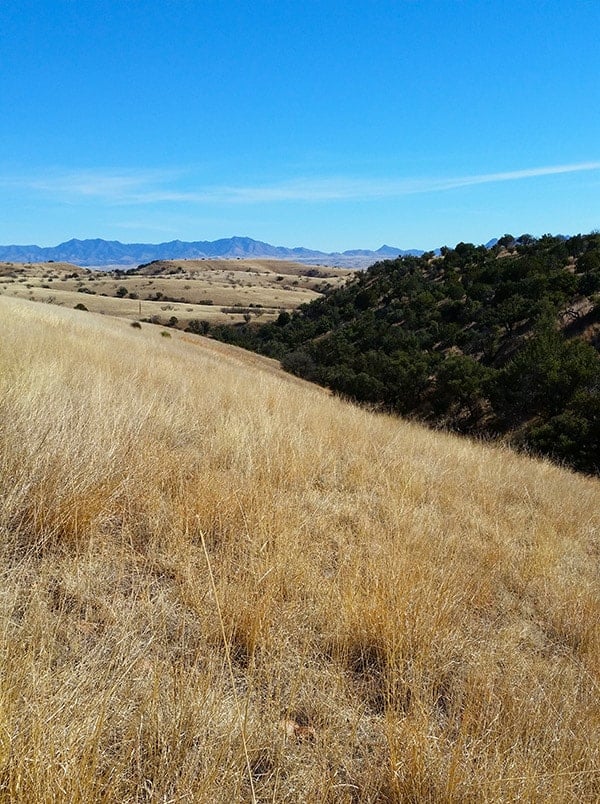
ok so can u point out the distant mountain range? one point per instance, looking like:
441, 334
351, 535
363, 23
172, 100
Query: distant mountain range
100, 253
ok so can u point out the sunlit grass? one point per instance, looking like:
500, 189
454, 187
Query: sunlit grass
220, 584
214, 291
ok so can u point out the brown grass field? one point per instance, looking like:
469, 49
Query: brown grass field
185, 289
221, 585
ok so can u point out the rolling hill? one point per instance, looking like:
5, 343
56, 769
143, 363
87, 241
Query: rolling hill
176, 293
499, 342
223, 584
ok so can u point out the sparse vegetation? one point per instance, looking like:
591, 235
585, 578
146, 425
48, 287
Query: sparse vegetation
159, 286
236, 587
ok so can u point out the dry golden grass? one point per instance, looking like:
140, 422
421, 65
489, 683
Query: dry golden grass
261, 287
220, 586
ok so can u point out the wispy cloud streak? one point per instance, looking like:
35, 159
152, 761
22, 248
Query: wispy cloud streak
113, 186
160, 187
514, 175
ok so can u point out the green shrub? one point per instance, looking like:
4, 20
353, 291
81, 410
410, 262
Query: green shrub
198, 326
573, 436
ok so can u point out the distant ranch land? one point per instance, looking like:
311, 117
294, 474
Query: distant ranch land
176, 292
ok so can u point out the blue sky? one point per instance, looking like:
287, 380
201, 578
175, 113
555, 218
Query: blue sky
325, 124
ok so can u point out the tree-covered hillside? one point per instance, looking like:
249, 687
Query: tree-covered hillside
489, 341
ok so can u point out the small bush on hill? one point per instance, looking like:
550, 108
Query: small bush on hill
198, 327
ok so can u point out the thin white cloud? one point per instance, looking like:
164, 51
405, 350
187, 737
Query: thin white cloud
513, 175
160, 187
113, 186
341, 189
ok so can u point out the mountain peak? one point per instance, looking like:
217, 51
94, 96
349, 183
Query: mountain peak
99, 252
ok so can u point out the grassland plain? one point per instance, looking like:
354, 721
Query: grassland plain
176, 292
222, 586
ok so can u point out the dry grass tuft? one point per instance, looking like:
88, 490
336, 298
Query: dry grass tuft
220, 585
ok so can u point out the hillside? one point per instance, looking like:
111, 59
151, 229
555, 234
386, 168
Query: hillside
223, 585
176, 293
499, 342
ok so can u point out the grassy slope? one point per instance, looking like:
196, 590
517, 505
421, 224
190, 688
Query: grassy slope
407, 616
